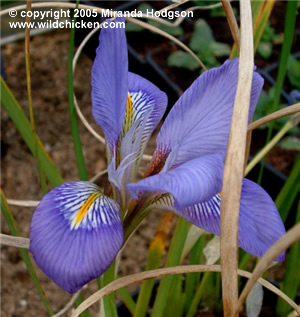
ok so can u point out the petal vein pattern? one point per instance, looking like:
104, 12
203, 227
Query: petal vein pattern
76, 233
260, 225
199, 122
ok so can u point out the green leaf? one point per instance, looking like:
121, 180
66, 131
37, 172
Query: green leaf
289, 191
289, 30
220, 49
202, 37
269, 33
173, 259
291, 277
172, 30
293, 71
22, 124
290, 143
131, 27
73, 115
265, 49
127, 299
182, 60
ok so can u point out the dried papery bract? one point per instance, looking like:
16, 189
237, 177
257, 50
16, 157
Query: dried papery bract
234, 165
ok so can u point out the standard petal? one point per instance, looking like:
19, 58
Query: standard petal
146, 105
260, 225
195, 181
109, 83
75, 234
199, 122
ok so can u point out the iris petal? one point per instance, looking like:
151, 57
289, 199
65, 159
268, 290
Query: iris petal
199, 122
75, 234
192, 182
145, 107
260, 225
109, 82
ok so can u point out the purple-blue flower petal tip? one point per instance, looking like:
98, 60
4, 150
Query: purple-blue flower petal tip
75, 235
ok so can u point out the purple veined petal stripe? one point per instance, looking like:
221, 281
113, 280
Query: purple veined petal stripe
110, 83
260, 225
199, 122
146, 105
75, 234
192, 182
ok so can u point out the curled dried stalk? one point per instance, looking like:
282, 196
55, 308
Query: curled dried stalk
265, 150
274, 116
13, 241
139, 277
22, 203
34, 203
292, 236
69, 305
232, 22
234, 164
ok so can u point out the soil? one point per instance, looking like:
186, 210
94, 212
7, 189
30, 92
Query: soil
19, 177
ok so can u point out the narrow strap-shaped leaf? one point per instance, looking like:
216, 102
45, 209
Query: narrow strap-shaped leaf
109, 301
73, 116
79, 300
192, 279
289, 30
21, 122
29, 91
261, 11
206, 279
289, 191
174, 256
156, 250
127, 299
291, 277
15, 231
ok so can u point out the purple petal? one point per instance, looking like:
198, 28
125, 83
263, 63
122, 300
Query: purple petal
260, 225
195, 181
260, 222
75, 234
199, 122
146, 105
109, 83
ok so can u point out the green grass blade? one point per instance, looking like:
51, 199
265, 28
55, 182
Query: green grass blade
193, 279
289, 191
207, 279
109, 301
22, 124
15, 232
173, 259
261, 11
29, 92
156, 251
73, 115
127, 299
291, 277
78, 301
289, 30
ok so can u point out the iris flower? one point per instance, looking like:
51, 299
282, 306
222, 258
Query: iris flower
77, 231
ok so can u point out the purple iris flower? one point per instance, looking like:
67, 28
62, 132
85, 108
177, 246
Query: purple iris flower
76, 231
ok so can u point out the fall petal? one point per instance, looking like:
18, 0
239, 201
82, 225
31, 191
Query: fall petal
75, 234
